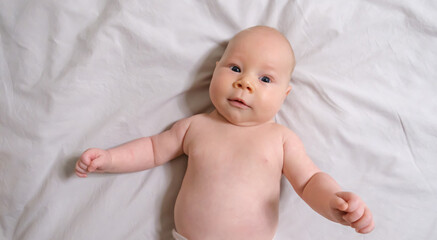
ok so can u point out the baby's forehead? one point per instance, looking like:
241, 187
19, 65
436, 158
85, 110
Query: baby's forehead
275, 46
263, 33
262, 38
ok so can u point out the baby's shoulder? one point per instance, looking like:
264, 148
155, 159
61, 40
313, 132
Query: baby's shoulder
277, 128
284, 132
201, 117
195, 120
189, 120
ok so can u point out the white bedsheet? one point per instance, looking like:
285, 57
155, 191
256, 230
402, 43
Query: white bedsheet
80, 74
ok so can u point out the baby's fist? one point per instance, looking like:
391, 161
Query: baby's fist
353, 212
93, 160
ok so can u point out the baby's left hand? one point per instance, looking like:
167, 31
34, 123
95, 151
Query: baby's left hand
350, 210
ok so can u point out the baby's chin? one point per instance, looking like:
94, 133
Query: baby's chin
244, 121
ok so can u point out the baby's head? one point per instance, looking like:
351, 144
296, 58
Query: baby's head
251, 80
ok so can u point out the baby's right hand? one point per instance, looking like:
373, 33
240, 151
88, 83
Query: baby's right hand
93, 160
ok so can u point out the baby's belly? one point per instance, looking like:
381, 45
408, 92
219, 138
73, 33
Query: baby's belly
228, 206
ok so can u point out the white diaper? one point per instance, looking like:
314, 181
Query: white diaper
177, 236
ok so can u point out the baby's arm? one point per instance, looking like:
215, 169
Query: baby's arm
137, 155
320, 191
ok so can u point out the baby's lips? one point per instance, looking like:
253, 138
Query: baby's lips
238, 102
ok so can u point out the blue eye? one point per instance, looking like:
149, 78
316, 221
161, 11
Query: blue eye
235, 69
265, 79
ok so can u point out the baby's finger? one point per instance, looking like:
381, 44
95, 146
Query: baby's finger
352, 200
85, 158
339, 204
365, 221
368, 228
355, 215
96, 164
92, 167
81, 174
80, 171
82, 165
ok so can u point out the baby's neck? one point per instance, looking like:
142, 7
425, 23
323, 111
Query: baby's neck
220, 118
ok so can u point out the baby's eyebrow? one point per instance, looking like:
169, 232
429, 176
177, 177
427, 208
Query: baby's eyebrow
270, 69
233, 57
232, 61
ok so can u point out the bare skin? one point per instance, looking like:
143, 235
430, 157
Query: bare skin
237, 153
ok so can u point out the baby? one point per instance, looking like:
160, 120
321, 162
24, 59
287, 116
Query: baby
237, 153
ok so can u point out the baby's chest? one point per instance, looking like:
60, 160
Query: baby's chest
253, 150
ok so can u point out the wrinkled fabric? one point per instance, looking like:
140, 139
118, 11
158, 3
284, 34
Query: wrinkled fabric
81, 74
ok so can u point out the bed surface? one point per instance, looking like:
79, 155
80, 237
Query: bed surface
81, 74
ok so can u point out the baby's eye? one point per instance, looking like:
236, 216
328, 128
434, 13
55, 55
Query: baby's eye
235, 69
265, 79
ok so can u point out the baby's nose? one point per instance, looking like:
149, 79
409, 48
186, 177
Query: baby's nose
244, 84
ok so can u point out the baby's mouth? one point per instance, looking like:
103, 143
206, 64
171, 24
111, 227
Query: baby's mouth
239, 103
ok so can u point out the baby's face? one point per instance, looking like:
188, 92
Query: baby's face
251, 80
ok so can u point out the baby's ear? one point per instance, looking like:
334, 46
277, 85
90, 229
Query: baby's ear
288, 90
